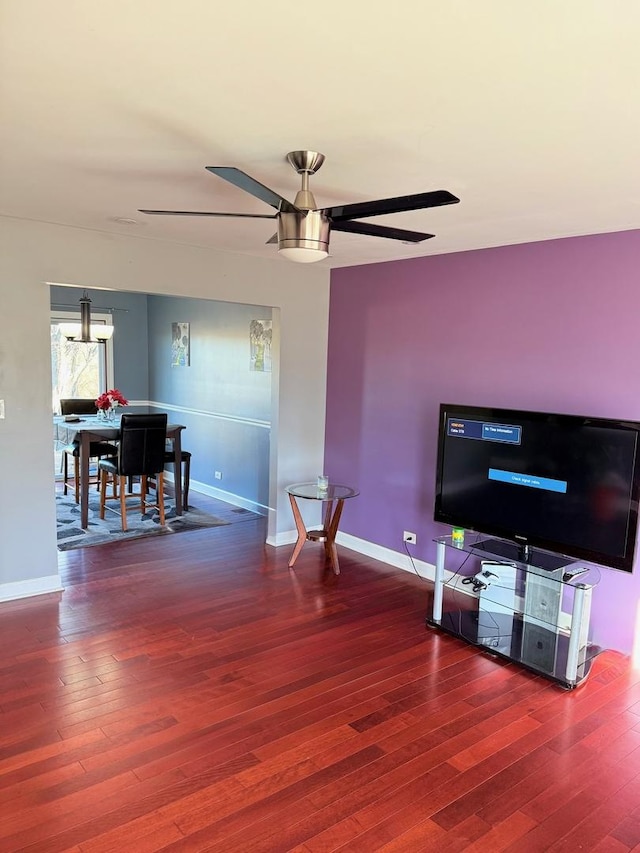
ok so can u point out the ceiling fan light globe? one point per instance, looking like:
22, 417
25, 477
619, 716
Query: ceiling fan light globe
301, 255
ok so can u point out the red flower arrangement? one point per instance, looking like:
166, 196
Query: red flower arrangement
111, 400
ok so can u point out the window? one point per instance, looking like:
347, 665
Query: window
77, 369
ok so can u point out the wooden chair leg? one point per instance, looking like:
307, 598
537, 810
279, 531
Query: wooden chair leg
123, 502
144, 488
65, 472
76, 477
160, 495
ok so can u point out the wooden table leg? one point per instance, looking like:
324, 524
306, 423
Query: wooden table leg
327, 534
302, 531
85, 449
331, 528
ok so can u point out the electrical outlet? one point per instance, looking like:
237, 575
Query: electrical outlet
218, 475
409, 537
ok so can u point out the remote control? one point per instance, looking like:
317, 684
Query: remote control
569, 576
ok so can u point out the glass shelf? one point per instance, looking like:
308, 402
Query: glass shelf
533, 612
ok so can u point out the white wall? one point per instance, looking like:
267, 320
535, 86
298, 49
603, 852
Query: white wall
37, 254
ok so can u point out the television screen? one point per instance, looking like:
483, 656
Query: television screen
563, 483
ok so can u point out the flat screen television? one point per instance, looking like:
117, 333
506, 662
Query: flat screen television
561, 483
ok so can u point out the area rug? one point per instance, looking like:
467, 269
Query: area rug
71, 534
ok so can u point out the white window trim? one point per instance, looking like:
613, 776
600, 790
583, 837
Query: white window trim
100, 317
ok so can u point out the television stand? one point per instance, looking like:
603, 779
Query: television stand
515, 609
521, 554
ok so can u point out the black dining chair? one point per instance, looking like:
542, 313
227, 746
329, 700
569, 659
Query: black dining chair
141, 453
97, 449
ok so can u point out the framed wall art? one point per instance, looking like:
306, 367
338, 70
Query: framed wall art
180, 345
260, 332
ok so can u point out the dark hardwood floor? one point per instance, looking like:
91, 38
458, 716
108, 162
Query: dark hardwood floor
190, 693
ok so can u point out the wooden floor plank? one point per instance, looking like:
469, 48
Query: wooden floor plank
603, 820
191, 693
503, 834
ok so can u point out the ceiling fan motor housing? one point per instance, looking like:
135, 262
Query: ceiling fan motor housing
303, 230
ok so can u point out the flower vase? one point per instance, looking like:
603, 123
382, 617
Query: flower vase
111, 414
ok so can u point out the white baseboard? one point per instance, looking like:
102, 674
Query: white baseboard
369, 549
25, 589
386, 555
287, 537
227, 497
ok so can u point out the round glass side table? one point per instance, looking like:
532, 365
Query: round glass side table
334, 495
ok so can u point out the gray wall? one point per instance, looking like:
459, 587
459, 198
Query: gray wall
225, 406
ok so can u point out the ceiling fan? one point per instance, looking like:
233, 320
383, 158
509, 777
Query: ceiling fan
303, 227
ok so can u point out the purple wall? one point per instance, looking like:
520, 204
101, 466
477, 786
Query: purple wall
544, 326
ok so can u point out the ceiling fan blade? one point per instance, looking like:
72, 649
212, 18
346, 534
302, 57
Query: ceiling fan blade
419, 201
380, 231
206, 213
250, 185
273, 239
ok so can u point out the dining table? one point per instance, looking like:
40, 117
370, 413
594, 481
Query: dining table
87, 428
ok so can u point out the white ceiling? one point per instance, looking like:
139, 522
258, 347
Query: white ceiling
529, 112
